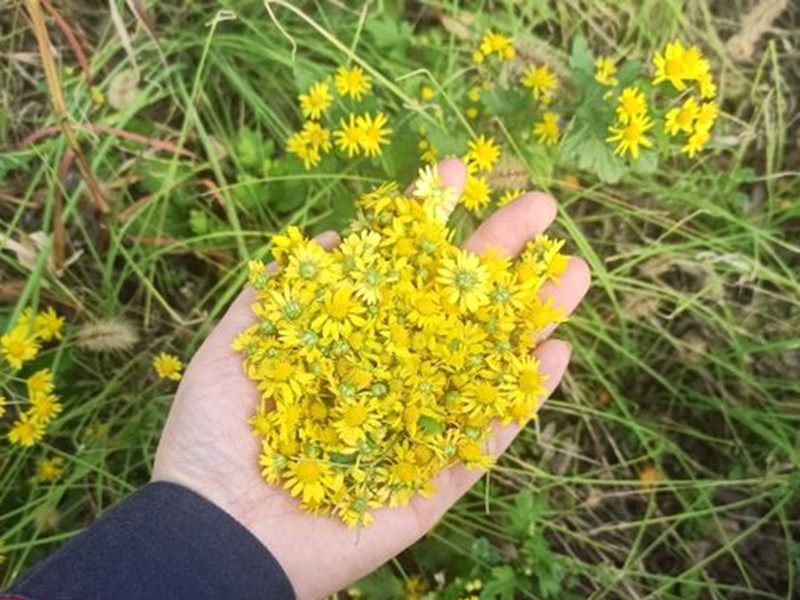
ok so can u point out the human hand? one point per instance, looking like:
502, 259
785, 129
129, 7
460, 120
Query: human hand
208, 447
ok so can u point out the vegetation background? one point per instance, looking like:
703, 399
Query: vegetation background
666, 464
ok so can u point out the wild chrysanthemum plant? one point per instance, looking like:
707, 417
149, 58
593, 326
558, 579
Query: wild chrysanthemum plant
386, 360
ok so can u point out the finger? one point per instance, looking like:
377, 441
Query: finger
568, 291
453, 174
452, 483
512, 226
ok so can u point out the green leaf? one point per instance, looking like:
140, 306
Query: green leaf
628, 73
502, 584
483, 552
381, 585
581, 58
596, 155
647, 162
393, 35
528, 508
540, 162
430, 425
448, 142
340, 458
305, 75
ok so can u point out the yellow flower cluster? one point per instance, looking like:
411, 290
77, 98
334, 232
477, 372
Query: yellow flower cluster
386, 360
632, 123
20, 345
42, 407
23, 341
357, 133
605, 71
542, 82
695, 118
679, 65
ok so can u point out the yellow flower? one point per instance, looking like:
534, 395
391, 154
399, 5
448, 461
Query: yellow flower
478, 57
98, 97
439, 200
350, 136
464, 279
316, 136
18, 347
541, 81
427, 93
48, 325
649, 476
316, 101
474, 93
472, 113
631, 136
632, 105
167, 366
477, 193
670, 66
497, 43
308, 479
706, 116
483, 153
44, 408
604, 71
697, 141
50, 469
547, 130
706, 85
470, 452
341, 313
509, 196
3, 403
473, 585
26, 431
374, 133
352, 82
682, 118
298, 145
524, 378
355, 419
429, 154
40, 384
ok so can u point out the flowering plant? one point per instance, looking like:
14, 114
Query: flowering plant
595, 113
19, 345
386, 360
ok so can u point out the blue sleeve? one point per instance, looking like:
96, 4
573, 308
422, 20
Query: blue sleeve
163, 541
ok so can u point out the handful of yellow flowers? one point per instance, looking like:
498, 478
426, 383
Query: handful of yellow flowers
386, 360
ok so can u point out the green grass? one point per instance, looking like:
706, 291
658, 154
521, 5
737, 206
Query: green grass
686, 354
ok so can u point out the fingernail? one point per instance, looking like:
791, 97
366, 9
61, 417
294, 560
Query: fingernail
327, 239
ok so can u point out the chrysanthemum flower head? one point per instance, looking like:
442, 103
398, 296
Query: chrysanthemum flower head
542, 82
316, 101
167, 366
547, 130
353, 82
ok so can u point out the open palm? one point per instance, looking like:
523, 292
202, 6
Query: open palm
207, 445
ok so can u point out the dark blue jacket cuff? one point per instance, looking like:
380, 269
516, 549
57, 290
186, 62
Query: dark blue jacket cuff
164, 541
